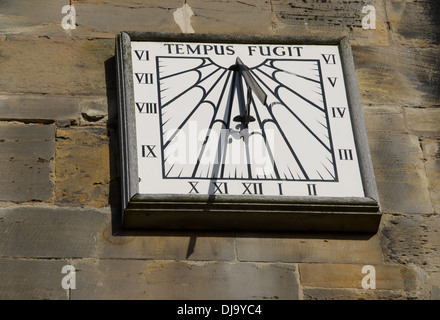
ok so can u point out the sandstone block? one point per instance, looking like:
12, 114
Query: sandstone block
18, 16
423, 120
54, 232
54, 67
400, 172
50, 232
412, 239
330, 18
354, 294
27, 152
82, 167
395, 150
95, 19
32, 279
183, 246
403, 191
37, 108
170, 280
431, 149
231, 17
112, 17
388, 277
310, 248
384, 118
414, 22
397, 76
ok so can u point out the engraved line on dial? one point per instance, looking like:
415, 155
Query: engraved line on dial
316, 126
270, 76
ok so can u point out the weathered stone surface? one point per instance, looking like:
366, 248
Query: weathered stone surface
31, 279
227, 16
136, 279
82, 167
384, 118
26, 162
431, 151
51, 232
412, 239
394, 150
397, 76
100, 19
423, 120
150, 245
17, 16
403, 191
414, 22
38, 108
56, 67
309, 248
112, 17
388, 277
354, 294
330, 18
100, 111
400, 173
434, 286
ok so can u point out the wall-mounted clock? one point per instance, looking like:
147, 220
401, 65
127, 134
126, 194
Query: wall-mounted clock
242, 133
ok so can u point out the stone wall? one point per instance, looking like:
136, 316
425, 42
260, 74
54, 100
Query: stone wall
59, 183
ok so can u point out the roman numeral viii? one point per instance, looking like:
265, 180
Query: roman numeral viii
146, 107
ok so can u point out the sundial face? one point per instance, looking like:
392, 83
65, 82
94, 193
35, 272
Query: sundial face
243, 119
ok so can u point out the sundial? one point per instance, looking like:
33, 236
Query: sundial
242, 133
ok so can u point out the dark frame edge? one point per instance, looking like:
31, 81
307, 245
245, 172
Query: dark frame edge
358, 121
128, 156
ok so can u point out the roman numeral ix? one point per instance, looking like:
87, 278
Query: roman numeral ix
147, 151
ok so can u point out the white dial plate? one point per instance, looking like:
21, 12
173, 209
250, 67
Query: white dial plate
187, 96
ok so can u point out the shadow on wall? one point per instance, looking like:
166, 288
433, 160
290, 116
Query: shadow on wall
433, 11
114, 197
